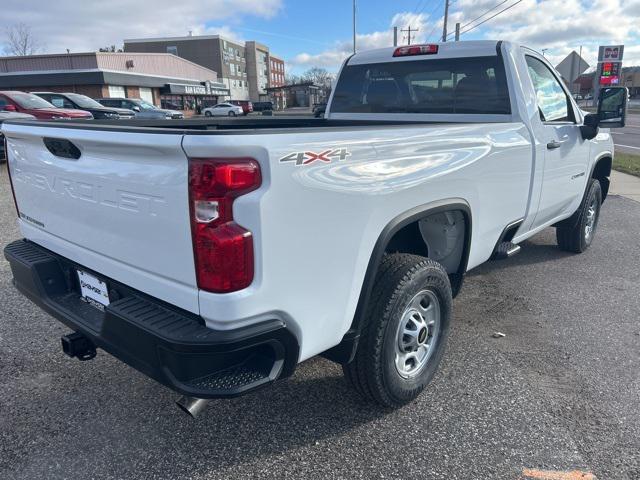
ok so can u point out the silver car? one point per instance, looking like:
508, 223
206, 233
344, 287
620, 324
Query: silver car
223, 110
142, 108
10, 116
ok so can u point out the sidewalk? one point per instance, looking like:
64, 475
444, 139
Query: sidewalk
625, 185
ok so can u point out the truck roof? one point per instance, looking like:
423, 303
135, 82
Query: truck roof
476, 48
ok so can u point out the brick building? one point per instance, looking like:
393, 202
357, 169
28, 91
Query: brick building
276, 79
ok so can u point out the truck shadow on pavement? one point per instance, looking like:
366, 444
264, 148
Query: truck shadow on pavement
531, 254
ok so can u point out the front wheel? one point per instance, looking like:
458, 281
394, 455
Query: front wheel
406, 328
207, 113
576, 235
232, 114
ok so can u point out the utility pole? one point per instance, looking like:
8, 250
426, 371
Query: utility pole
579, 60
457, 32
446, 18
395, 36
354, 26
409, 30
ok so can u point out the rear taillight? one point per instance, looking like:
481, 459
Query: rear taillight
412, 50
223, 250
6, 156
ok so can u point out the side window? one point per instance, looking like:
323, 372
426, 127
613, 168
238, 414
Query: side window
553, 102
3, 102
60, 102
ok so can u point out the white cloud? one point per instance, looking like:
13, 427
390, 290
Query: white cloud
333, 57
88, 25
557, 25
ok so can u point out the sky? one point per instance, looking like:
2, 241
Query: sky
309, 33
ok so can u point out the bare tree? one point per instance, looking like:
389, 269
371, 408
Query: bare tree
292, 79
112, 48
319, 76
20, 40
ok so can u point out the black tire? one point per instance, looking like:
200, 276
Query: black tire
207, 113
232, 114
572, 235
373, 372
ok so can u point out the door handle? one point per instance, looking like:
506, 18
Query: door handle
552, 145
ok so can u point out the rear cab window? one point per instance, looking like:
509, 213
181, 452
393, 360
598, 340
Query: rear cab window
473, 85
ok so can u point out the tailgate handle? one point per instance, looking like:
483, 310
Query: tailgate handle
61, 147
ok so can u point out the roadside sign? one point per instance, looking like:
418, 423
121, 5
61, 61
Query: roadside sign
610, 73
572, 67
610, 53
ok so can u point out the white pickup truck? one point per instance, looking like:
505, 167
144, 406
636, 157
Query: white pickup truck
216, 255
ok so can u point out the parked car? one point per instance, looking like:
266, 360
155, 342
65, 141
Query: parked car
21, 102
262, 106
82, 102
223, 110
319, 109
247, 106
142, 108
216, 260
9, 116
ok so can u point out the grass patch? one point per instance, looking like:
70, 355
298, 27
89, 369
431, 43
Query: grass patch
627, 163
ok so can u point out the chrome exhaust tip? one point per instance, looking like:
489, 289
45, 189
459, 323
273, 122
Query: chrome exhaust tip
191, 406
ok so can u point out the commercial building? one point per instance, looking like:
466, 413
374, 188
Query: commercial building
162, 79
302, 95
244, 68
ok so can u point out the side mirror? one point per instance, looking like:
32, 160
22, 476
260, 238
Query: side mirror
612, 107
590, 128
135, 108
10, 108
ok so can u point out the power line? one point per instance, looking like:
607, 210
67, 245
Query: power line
479, 17
492, 16
418, 12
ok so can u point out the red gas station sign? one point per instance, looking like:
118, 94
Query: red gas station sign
610, 73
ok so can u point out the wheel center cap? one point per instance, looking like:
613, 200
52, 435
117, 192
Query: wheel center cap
422, 336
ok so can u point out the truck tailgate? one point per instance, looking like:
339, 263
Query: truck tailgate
121, 209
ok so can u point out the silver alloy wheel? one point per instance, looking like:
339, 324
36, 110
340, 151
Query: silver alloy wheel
417, 334
592, 216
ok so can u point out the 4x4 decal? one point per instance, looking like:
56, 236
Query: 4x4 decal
306, 158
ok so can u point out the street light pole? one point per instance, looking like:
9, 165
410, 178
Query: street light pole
354, 26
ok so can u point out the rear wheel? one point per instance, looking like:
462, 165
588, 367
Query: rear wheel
207, 113
577, 233
232, 114
407, 324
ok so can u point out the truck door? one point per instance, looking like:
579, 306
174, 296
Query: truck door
566, 153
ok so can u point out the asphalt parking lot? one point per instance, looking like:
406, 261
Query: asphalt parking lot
560, 392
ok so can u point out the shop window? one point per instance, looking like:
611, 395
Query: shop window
116, 91
146, 94
172, 102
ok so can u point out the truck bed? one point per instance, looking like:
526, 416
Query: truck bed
222, 125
